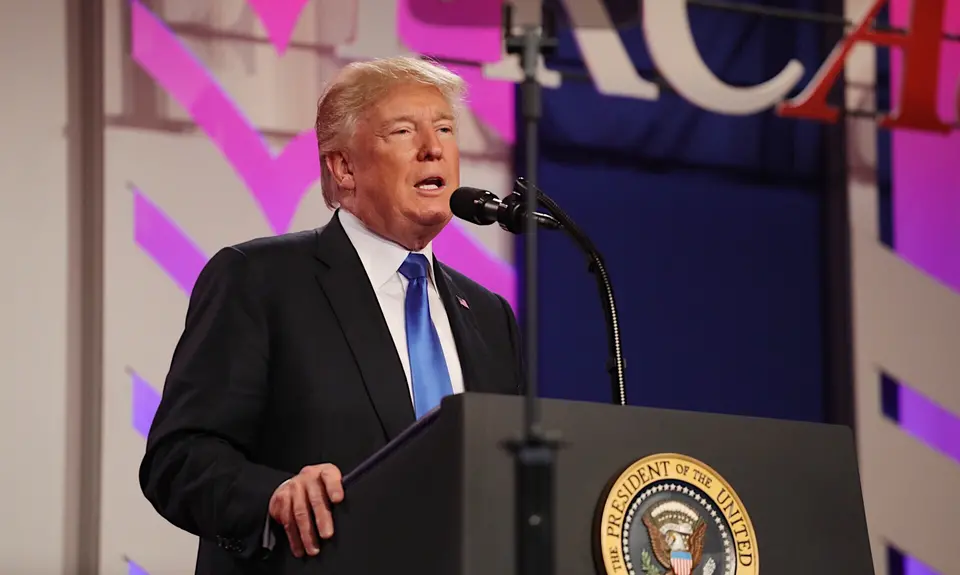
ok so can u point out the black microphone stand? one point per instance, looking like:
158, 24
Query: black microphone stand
535, 453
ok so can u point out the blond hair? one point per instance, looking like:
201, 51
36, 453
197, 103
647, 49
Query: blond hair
360, 85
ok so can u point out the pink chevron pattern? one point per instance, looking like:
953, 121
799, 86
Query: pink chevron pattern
279, 183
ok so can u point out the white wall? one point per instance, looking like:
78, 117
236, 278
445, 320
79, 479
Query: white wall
33, 285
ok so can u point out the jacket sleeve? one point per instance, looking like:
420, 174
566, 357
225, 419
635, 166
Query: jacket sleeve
197, 471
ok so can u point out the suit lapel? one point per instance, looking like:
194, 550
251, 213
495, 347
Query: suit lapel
473, 351
344, 282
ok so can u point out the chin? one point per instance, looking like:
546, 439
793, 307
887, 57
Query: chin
436, 208
432, 216
436, 218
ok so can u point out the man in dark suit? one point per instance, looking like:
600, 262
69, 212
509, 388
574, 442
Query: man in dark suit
303, 354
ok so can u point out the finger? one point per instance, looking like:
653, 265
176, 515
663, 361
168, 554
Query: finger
332, 482
285, 517
303, 517
321, 508
280, 501
293, 536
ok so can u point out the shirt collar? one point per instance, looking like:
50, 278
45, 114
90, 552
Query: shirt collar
380, 257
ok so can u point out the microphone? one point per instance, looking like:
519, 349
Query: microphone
484, 208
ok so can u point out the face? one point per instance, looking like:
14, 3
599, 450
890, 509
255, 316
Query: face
402, 165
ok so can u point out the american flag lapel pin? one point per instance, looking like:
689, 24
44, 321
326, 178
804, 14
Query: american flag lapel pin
463, 302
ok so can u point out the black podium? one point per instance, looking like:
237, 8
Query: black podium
638, 491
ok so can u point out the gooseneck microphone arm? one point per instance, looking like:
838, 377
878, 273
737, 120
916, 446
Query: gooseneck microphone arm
483, 208
616, 365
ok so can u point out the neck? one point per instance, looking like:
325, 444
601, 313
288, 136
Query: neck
413, 239
415, 243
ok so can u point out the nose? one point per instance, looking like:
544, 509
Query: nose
430, 149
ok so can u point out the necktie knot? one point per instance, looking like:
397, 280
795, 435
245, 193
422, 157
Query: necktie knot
414, 267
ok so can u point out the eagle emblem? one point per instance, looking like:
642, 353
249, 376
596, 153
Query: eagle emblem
676, 534
670, 514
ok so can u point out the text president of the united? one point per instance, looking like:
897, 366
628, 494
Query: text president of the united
303, 354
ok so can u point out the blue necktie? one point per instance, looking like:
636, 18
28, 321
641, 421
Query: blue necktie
428, 368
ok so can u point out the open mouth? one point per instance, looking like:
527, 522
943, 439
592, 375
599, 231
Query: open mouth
430, 184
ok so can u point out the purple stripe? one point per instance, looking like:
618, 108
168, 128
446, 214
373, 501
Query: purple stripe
929, 422
145, 401
134, 569
170, 248
277, 184
913, 566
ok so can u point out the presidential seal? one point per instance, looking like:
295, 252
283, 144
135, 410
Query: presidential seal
669, 514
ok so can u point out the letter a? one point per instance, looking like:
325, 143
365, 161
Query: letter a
921, 62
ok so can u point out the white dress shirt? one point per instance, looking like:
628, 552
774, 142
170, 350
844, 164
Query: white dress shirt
381, 259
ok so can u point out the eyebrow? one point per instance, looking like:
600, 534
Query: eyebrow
443, 116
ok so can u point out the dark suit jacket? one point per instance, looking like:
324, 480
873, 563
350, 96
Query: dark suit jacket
285, 361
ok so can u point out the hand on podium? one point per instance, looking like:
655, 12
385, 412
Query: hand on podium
305, 497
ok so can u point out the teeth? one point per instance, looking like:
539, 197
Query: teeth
428, 187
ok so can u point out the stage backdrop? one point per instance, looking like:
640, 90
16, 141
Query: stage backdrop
209, 142
710, 226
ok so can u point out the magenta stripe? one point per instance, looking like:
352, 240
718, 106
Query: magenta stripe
925, 179
144, 401
926, 214
277, 184
170, 248
279, 18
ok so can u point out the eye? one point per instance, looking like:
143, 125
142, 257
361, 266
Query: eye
446, 130
401, 131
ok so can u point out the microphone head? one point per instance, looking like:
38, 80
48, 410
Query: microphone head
474, 205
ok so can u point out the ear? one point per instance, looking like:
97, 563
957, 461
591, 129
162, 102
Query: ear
342, 170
